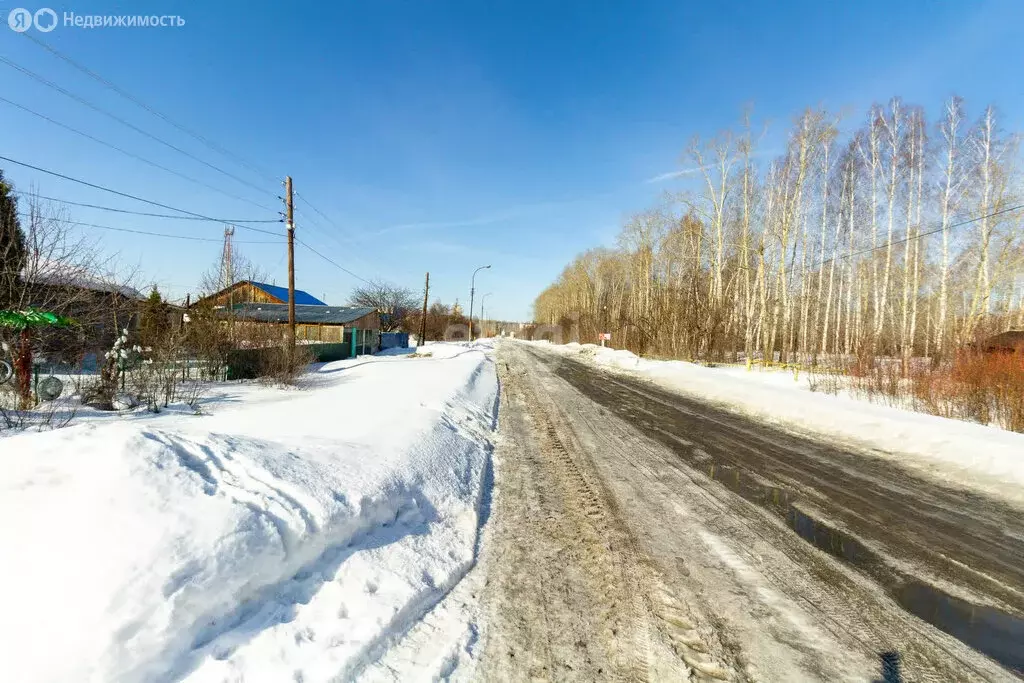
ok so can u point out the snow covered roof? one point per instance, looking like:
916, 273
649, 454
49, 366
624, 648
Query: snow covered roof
304, 313
90, 282
281, 293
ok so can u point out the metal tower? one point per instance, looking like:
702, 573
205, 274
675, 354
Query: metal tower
227, 272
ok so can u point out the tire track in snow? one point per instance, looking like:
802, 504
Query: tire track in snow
571, 597
840, 602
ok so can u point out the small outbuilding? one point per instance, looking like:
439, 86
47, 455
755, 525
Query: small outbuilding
1011, 341
355, 326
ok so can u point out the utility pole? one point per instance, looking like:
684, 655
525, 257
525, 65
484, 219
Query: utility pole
291, 265
423, 319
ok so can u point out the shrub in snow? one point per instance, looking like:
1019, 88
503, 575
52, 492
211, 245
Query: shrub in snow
152, 375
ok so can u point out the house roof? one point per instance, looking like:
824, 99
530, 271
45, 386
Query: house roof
306, 314
1006, 340
87, 282
281, 293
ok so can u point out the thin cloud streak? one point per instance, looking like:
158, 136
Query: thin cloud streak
507, 214
438, 225
662, 177
674, 174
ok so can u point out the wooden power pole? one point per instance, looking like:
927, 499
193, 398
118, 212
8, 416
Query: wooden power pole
291, 264
423, 319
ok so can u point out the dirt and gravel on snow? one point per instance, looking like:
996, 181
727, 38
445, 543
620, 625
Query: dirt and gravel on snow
641, 535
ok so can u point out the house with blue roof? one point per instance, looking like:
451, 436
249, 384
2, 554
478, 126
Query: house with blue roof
252, 292
258, 303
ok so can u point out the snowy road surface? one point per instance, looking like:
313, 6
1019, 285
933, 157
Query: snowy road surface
643, 535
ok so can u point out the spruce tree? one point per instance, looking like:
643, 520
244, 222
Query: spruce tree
154, 324
13, 253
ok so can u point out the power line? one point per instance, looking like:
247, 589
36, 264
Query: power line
128, 196
922, 234
319, 229
131, 98
143, 213
152, 234
210, 144
130, 154
315, 224
333, 263
324, 217
334, 225
83, 101
318, 211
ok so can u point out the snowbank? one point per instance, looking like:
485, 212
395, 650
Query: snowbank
290, 535
960, 453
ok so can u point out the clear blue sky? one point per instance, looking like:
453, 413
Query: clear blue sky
443, 135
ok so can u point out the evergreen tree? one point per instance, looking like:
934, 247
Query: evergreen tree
13, 253
154, 324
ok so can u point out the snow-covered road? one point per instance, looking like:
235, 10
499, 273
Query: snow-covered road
284, 536
658, 536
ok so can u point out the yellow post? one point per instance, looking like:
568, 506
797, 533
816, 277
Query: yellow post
749, 363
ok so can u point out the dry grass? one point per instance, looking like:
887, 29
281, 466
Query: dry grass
987, 388
980, 387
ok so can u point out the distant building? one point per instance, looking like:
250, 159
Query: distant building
101, 310
503, 328
1011, 341
250, 291
357, 326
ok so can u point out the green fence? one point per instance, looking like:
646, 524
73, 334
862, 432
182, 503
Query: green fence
325, 353
246, 363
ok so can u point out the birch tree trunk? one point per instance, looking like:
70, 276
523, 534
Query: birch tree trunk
951, 185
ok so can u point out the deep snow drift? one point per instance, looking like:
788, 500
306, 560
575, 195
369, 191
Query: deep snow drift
960, 453
287, 535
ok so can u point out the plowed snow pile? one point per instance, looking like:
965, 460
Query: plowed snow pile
288, 535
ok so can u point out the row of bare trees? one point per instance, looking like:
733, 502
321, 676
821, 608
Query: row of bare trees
899, 237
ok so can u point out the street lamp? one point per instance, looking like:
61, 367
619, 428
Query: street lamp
483, 318
472, 289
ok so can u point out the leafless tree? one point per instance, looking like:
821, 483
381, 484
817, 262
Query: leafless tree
64, 273
818, 252
392, 302
221, 275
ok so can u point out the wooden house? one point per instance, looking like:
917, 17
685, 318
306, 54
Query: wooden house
357, 327
250, 291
